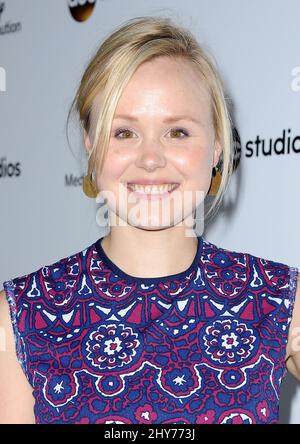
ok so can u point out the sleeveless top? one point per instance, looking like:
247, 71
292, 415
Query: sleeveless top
206, 345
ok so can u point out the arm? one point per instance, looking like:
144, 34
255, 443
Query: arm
16, 399
293, 346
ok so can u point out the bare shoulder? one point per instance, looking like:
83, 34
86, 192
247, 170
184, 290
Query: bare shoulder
293, 345
16, 399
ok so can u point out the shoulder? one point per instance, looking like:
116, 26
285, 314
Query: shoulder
4, 317
293, 346
241, 274
16, 400
265, 270
52, 278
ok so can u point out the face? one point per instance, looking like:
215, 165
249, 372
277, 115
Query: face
162, 133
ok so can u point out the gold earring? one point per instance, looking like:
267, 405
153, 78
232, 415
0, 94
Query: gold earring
89, 187
215, 182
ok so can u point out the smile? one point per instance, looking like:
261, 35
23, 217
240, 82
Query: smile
150, 191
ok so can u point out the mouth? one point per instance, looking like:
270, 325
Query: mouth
153, 192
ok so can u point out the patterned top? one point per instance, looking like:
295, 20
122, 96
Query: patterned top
206, 345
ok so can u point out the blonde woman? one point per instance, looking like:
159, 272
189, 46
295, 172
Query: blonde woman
151, 323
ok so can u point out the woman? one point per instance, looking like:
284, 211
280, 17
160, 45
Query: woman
151, 323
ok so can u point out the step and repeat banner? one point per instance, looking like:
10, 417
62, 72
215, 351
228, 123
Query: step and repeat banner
44, 48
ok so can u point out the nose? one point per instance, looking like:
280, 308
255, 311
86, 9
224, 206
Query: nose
151, 154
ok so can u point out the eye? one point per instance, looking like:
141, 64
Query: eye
120, 131
179, 130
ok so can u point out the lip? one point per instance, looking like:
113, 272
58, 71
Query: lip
151, 182
149, 196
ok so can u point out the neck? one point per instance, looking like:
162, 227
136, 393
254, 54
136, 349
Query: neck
150, 253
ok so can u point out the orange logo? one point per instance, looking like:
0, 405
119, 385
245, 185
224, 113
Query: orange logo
81, 10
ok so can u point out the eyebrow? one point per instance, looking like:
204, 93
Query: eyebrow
166, 120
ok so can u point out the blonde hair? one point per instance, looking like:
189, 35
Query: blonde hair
121, 53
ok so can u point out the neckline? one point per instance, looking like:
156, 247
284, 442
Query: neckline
143, 280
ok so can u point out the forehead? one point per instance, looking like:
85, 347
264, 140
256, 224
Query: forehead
162, 73
164, 85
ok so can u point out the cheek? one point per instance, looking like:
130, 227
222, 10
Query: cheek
195, 166
113, 168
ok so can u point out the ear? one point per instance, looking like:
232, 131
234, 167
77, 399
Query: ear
87, 142
217, 153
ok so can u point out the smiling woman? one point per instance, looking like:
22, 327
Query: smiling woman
151, 324
162, 94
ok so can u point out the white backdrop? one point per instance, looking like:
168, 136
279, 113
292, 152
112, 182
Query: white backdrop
43, 51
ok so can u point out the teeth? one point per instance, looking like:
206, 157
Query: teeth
152, 189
